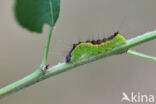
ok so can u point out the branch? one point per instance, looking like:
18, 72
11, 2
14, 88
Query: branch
134, 53
62, 67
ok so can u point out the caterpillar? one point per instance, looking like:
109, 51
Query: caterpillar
89, 48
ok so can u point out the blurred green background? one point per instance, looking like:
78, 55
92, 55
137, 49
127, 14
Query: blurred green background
101, 82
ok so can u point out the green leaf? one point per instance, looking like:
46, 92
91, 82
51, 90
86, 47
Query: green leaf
33, 14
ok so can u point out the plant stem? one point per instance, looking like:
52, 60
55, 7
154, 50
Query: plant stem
62, 67
32, 78
134, 53
45, 57
19, 85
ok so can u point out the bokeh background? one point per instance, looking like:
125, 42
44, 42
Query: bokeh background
101, 82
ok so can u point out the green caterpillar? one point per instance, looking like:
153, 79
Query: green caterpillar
86, 49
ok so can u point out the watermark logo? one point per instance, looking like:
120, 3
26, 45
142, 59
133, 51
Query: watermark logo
137, 98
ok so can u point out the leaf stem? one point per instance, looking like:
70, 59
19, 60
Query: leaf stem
62, 67
51, 12
45, 57
134, 53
